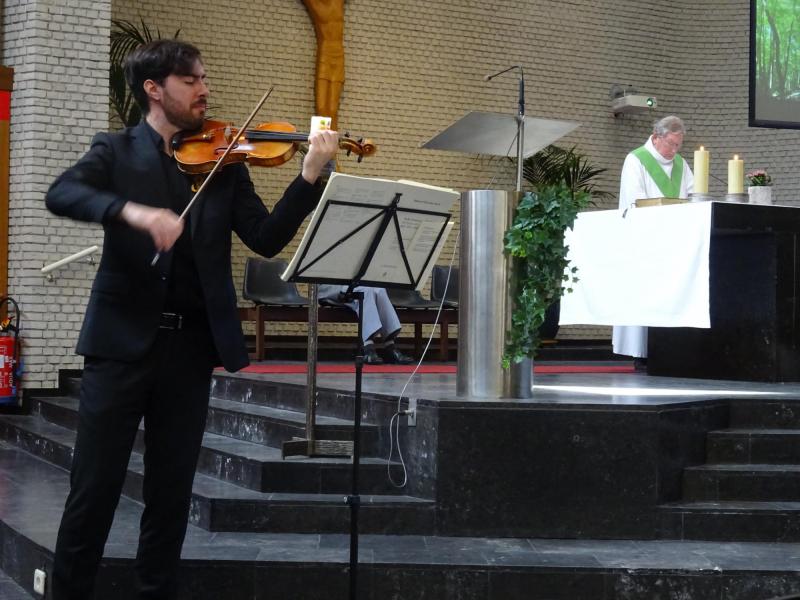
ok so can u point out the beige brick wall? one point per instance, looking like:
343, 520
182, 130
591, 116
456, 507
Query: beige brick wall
412, 68
59, 52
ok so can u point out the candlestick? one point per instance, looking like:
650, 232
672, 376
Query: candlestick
736, 175
701, 171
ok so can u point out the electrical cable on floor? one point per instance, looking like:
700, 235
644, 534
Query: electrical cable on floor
399, 413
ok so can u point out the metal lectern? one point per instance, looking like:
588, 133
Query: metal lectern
484, 302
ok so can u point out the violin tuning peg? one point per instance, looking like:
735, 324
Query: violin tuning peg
347, 134
360, 140
360, 158
349, 151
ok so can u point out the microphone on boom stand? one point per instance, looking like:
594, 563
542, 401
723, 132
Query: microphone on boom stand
521, 84
520, 118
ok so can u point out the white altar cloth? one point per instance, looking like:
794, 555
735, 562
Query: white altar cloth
647, 267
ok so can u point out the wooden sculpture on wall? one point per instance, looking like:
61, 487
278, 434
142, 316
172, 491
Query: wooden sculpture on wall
328, 18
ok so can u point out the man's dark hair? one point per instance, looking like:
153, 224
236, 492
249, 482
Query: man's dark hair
157, 60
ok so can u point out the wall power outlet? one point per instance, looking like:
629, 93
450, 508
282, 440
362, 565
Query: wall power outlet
39, 578
412, 412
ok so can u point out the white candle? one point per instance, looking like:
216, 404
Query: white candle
701, 171
736, 175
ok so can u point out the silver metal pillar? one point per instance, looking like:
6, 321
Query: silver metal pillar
484, 302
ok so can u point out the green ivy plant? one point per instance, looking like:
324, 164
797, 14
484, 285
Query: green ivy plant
535, 241
564, 183
125, 37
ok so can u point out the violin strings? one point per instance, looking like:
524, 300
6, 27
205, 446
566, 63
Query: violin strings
255, 134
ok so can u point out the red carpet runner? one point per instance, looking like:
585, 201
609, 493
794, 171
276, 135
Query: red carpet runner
277, 368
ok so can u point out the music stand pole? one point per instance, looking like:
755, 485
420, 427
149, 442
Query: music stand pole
354, 500
311, 376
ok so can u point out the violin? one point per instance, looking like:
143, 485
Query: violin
266, 145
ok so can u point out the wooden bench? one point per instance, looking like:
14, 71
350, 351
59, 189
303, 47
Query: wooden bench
264, 313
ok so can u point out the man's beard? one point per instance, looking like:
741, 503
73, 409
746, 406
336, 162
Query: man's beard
183, 119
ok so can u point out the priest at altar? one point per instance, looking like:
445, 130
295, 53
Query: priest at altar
654, 170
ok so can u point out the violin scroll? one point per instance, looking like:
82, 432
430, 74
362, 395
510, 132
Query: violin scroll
360, 147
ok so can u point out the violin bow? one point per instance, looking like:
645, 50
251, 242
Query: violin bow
219, 162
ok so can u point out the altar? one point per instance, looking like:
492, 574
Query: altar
717, 284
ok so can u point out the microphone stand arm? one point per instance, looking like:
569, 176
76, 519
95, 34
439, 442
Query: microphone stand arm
520, 128
520, 118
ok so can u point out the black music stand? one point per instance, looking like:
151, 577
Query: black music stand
364, 228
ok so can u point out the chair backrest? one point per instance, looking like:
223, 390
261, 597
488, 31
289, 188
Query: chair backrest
263, 283
439, 281
403, 298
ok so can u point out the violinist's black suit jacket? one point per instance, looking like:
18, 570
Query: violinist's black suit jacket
127, 298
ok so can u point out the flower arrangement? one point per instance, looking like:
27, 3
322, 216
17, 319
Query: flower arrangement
759, 177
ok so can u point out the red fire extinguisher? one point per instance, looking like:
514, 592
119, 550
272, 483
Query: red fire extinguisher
9, 355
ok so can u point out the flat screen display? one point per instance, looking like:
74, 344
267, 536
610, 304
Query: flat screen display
775, 63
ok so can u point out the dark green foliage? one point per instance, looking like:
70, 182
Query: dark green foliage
564, 184
554, 165
125, 37
536, 242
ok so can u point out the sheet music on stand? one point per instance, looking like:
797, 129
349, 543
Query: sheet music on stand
341, 235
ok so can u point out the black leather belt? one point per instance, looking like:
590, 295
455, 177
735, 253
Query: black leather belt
173, 321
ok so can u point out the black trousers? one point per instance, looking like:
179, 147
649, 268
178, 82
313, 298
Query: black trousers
169, 389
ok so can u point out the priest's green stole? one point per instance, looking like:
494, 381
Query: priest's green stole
670, 186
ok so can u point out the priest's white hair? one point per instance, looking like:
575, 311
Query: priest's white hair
670, 124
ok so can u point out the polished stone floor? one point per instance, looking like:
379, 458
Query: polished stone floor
569, 388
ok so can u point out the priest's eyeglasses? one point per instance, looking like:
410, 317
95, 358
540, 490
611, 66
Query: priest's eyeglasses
670, 143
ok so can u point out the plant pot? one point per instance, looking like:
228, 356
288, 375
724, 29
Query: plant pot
519, 380
760, 194
549, 329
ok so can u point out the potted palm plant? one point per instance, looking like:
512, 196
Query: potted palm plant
125, 37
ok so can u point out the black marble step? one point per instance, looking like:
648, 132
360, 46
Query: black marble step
254, 389
261, 468
234, 411
70, 385
61, 410
271, 426
408, 567
221, 506
739, 521
249, 464
762, 413
754, 446
11, 590
248, 422
757, 482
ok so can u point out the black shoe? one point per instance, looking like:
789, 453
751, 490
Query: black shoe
393, 356
640, 364
371, 356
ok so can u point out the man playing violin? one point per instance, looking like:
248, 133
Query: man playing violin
152, 334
